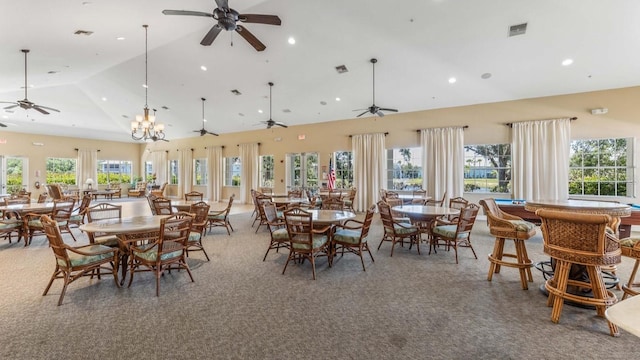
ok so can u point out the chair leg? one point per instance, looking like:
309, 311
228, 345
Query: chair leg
67, 280
561, 277
53, 277
600, 292
628, 288
498, 248
313, 265
291, 255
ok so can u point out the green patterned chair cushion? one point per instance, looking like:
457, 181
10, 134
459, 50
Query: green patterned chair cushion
280, 234
80, 260
404, 229
152, 255
216, 217
76, 217
522, 225
348, 202
194, 236
35, 223
318, 241
449, 231
404, 220
10, 225
107, 240
348, 236
629, 242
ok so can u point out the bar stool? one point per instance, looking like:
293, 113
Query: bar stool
581, 245
506, 226
630, 247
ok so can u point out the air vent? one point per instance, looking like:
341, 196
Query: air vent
83, 32
286, 110
341, 69
52, 72
236, 92
515, 30
165, 108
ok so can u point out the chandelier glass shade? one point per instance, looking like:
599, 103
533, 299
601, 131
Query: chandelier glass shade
145, 126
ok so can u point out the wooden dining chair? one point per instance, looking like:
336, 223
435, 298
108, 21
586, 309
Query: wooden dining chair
352, 236
61, 213
162, 206
200, 213
193, 196
396, 231
437, 202
221, 217
79, 214
332, 203
306, 240
455, 235
277, 228
101, 212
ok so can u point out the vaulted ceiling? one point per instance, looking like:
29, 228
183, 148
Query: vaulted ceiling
96, 80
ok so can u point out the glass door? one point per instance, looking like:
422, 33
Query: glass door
13, 174
302, 170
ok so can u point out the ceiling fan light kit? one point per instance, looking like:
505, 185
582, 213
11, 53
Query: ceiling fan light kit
145, 126
373, 109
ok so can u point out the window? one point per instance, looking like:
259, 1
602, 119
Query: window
601, 167
173, 172
16, 169
404, 169
266, 171
114, 171
200, 172
61, 171
487, 168
343, 161
232, 168
303, 170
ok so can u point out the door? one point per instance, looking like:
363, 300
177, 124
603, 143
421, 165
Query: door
302, 170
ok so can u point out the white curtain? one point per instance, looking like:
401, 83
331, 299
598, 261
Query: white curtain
87, 167
369, 172
540, 159
159, 165
248, 171
185, 172
215, 171
443, 161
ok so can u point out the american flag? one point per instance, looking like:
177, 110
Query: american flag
331, 184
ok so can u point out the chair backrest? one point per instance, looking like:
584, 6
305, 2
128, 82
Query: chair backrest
228, 209
579, 238
260, 201
457, 203
385, 215
394, 202
42, 198
62, 209
162, 206
352, 194
294, 194
271, 216
466, 219
299, 226
55, 191
84, 204
174, 233
418, 201
494, 214
193, 196
150, 199
266, 190
54, 236
332, 203
366, 223
199, 211
391, 195
141, 186
103, 211
17, 200
437, 202
419, 193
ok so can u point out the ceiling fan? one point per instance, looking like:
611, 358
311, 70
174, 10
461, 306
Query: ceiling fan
227, 19
202, 131
270, 123
373, 109
25, 103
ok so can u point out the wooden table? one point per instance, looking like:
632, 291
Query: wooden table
424, 213
328, 217
38, 208
108, 194
289, 201
123, 228
185, 205
626, 314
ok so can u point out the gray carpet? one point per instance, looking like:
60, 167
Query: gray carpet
408, 306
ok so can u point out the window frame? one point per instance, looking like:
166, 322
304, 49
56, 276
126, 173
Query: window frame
474, 183
231, 175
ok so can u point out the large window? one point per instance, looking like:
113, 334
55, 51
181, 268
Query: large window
303, 170
487, 168
343, 161
200, 172
601, 167
61, 171
232, 167
173, 172
266, 171
114, 171
404, 169
16, 169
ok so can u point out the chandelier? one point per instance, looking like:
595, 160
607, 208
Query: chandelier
145, 126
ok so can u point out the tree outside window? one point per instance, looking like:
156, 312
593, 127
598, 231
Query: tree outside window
487, 168
173, 172
61, 171
200, 172
404, 169
266, 171
232, 167
344, 169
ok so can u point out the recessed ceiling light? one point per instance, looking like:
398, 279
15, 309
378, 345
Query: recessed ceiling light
205, 120
5, 117
260, 111
291, 40
567, 62
203, 68
452, 80
104, 99
120, 38
144, 86
337, 99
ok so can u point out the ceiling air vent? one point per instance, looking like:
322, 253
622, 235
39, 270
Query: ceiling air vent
286, 110
236, 92
83, 32
341, 69
515, 30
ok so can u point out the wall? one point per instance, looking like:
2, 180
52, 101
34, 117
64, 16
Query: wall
486, 125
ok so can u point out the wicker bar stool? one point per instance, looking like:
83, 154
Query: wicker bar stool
506, 226
580, 243
630, 247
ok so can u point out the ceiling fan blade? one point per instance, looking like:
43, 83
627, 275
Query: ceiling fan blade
250, 38
212, 133
387, 109
379, 113
11, 106
211, 35
363, 113
260, 19
196, 130
360, 109
2, 125
281, 124
45, 107
222, 4
41, 110
187, 12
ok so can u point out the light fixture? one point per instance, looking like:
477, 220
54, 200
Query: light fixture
145, 126
567, 62
89, 183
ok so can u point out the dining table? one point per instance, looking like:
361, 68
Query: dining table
38, 208
424, 213
289, 201
185, 205
626, 314
128, 230
330, 217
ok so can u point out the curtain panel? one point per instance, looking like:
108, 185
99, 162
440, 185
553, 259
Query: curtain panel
540, 159
369, 172
215, 171
159, 164
87, 167
443, 162
249, 168
185, 172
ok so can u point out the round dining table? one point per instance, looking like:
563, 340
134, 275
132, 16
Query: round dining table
424, 213
328, 217
185, 205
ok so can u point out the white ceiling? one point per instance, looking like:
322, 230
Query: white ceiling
419, 45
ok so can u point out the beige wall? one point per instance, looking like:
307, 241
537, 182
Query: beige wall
485, 121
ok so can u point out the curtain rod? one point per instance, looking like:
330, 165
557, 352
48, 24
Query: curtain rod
189, 149
464, 127
511, 124
76, 149
222, 146
385, 134
258, 144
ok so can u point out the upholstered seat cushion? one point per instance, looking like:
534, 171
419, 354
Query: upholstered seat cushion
216, 217
522, 225
76, 217
194, 236
404, 220
449, 231
404, 229
280, 234
629, 242
152, 255
35, 223
80, 260
9, 224
106, 240
318, 241
348, 236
